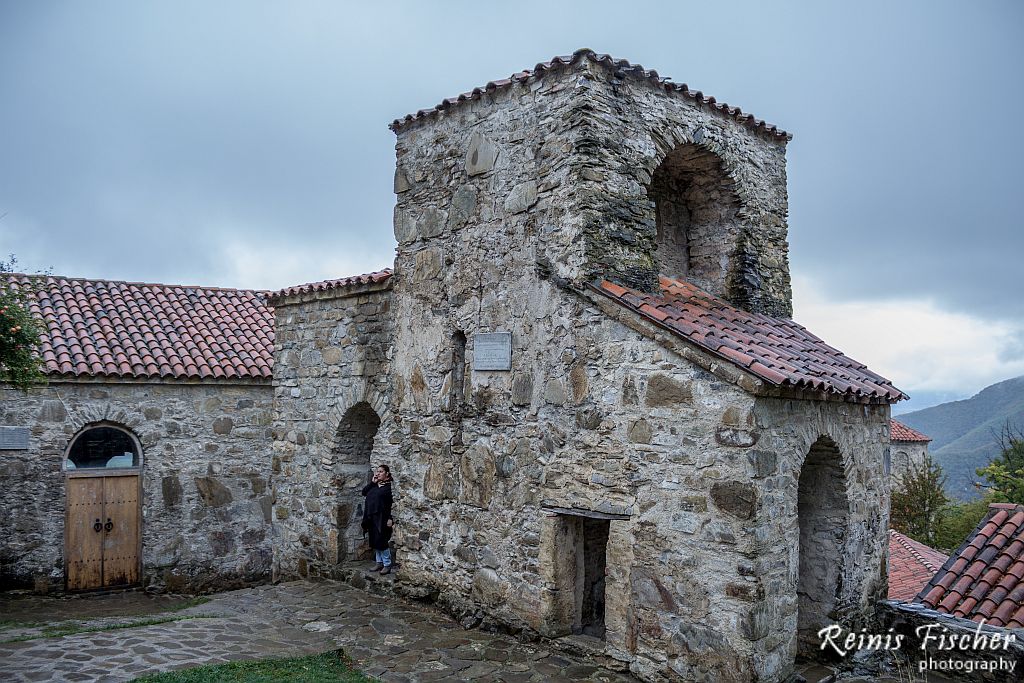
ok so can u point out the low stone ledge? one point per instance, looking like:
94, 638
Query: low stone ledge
923, 629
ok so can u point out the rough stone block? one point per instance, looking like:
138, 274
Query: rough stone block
405, 227
663, 391
212, 492
463, 207
172, 491
735, 497
737, 438
53, 411
522, 389
432, 223
640, 431
522, 197
427, 265
482, 154
478, 470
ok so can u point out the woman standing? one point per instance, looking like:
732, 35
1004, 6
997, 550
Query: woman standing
377, 520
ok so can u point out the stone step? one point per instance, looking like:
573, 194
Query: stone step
591, 649
361, 575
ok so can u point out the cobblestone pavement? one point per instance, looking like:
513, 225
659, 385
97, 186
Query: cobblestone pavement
388, 638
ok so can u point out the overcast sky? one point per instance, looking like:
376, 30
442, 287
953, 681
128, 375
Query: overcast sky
246, 144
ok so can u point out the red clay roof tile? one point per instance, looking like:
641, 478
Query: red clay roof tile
131, 329
340, 283
986, 585
901, 432
911, 566
620, 65
781, 352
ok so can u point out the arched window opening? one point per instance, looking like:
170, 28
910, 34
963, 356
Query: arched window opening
823, 513
696, 215
353, 451
901, 463
103, 447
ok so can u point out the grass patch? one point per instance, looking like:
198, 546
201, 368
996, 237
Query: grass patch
326, 667
191, 602
7, 624
71, 628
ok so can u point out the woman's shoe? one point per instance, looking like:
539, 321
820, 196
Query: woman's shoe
386, 570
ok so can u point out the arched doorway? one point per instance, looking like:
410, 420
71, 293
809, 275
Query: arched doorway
352, 457
102, 511
823, 514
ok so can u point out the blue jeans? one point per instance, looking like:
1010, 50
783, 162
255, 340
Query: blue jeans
384, 557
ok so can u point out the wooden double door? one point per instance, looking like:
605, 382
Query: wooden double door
102, 540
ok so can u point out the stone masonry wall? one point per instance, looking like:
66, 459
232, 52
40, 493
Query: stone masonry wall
702, 572
961, 655
505, 205
331, 354
905, 456
567, 161
206, 503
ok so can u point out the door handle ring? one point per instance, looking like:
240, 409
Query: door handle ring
109, 525
97, 526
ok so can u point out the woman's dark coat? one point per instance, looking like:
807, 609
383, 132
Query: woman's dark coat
377, 513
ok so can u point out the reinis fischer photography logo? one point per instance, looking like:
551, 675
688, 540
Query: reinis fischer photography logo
946, 650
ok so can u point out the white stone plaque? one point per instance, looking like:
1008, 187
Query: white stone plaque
492, 351
13, 438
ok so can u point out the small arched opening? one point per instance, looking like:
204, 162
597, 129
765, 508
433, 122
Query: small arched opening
823, 514
103, 511
696, 215
103, 446
353, 451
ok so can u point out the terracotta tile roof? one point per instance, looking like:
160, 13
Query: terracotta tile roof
327, 285
984, 579
620, 65
911, 566
130, 329
776, 350
901, 432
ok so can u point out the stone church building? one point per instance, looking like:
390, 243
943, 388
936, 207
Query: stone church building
909, 450
602, 422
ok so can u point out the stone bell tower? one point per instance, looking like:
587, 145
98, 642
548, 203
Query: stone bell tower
605, 170
557, 439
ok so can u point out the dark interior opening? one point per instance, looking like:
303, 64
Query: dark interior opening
591, 576
696, 217
822, 510
457, 391
104, 447
353, 450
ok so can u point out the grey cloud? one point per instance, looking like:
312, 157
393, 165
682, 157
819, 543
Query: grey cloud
142, 138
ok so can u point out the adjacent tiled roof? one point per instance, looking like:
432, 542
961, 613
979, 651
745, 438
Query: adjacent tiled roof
340, 283
901, 432
620, 65
136, 330
776, 350
984, 579
911, 566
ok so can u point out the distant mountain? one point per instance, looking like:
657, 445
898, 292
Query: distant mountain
920, 400
966, 433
